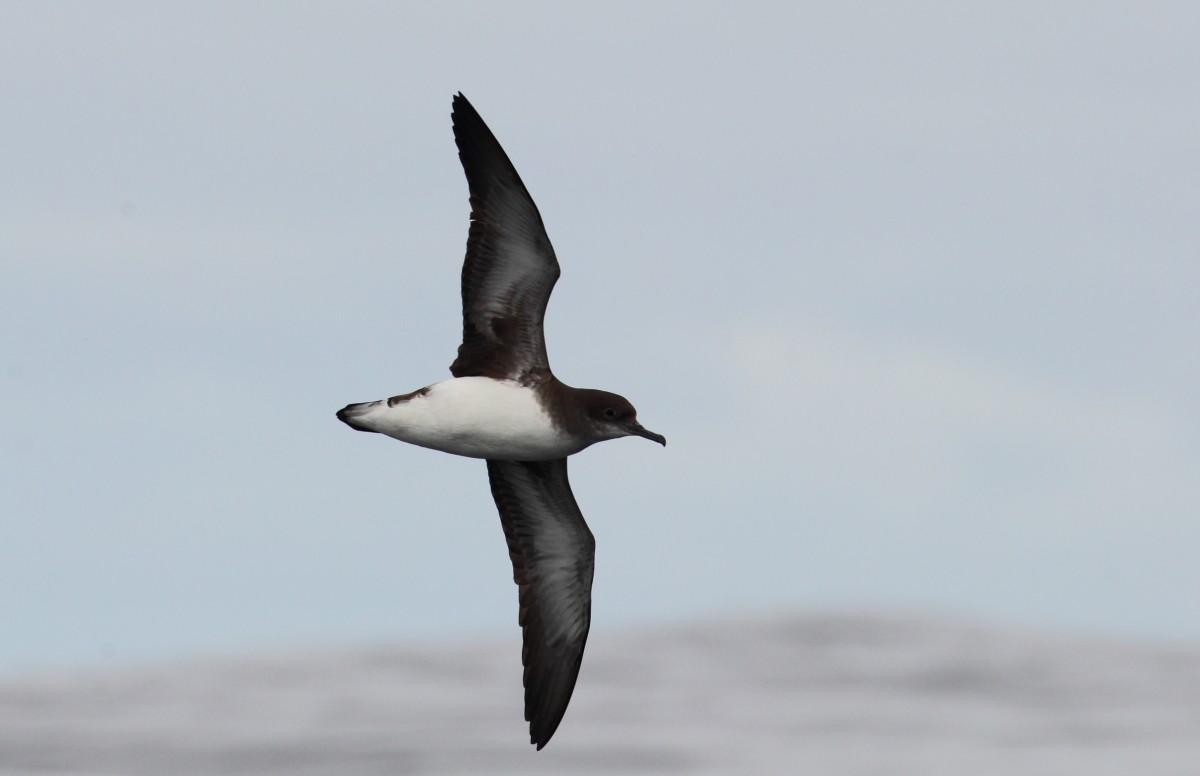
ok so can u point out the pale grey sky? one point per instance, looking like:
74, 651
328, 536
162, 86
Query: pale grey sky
910, 288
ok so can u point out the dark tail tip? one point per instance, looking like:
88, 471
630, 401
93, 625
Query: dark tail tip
348, 414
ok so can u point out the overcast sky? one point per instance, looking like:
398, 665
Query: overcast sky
912, 290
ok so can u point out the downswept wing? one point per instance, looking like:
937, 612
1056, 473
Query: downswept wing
553, 554
510, 267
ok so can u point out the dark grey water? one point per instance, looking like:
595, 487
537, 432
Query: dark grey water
822, 695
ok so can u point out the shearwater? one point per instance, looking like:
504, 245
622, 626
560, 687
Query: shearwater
506, 406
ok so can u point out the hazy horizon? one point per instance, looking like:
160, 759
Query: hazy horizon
832, 693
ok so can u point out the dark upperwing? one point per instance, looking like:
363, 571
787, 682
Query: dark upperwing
510, 267
553, 556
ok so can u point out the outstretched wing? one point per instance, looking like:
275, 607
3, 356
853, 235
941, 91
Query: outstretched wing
510, 267
553, 555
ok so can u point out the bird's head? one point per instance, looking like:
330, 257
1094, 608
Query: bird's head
612, 416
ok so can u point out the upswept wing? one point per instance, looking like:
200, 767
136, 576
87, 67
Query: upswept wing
510, 267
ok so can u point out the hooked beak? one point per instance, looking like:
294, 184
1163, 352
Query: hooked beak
637, 429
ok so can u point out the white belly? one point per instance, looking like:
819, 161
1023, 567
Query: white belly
478, 417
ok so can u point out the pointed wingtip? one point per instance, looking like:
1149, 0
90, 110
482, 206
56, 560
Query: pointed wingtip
541, 737
460, 102
467, 122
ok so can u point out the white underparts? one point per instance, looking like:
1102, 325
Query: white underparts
478, 417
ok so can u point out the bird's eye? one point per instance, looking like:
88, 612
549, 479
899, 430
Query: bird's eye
609, 412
